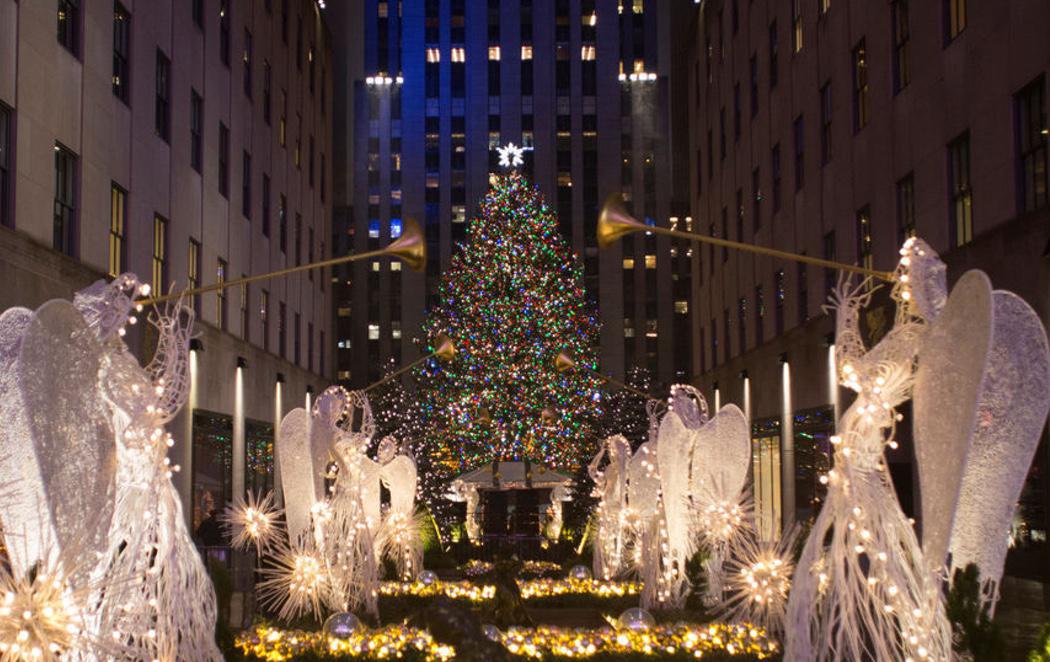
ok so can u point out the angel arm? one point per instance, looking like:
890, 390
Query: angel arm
847, 301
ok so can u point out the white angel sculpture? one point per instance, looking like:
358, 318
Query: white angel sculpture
977, 421
349, 536
461, 492
398, 538
76, 403
610, 486
559, 496
863, 588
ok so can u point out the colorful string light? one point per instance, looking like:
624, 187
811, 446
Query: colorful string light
512, 298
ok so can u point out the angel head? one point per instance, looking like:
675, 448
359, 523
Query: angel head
619, 448
331, 406
689, 403
921, 286
388, 448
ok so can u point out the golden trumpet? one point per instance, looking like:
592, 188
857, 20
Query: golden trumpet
444, 349
409, 248
615, 222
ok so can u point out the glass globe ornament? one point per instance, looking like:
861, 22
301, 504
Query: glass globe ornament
427, 577
342, 625
635, 619
580, 572
492, 632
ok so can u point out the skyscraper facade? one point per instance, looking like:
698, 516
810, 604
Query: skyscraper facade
188, 142
583, 86
836, 129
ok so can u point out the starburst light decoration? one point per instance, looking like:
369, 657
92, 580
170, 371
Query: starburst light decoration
295, 582
252, 522
510, 155
758, 580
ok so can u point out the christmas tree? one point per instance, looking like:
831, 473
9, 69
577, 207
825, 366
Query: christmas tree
512, 299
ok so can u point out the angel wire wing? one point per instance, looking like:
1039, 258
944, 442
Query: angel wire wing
295, 458
1011, 411
952, 360
73, 437
721, 456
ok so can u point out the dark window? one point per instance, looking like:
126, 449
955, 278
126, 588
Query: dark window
220, 294
741, 323
264, 317
714, 343
800, 154
722, 133
282, 329
247, 58
803, 292
1032, 145
756, 199
760, 315
6, 160
960, 192
246, 185
267, 91
954, 18
823, 6
310, 345
860, 86
310, 164
224, 160
773, 54
69, 25
160, 254
725, 234
901, 37
193, 274
197, 9
121, 51
322, 173
246, 294
299, 42
734, 14
64, 239
796, 25
727, 348
754, 85
298, 239
905, 208
830, 252
265, 206
118, 214
297, 337
736, 111
775, 163
196, 130
162, 116
864, 241
284, 21
825, 123
780, 296
282, 223
224, 31
699, 172
310, 252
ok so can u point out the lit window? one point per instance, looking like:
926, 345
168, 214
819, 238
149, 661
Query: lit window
375, 265
650, 261
587, 52
526, 52
395, 329
395, 229
628, 263
628, 328
458, 54
373, 332
395, 265
494, 53
373, 229
342, 312
433, 55
565, 179
459, 214
650, 328
681, 307
344, 375
590, 19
